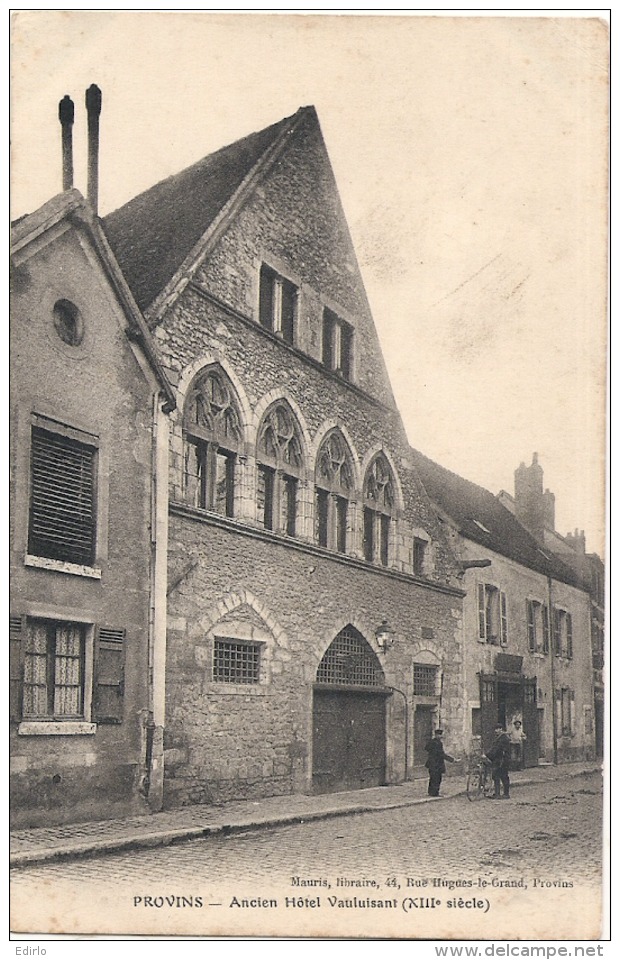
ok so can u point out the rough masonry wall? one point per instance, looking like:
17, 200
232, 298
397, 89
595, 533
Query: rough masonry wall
227, 741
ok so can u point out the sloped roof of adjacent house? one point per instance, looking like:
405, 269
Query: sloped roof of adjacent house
72, 207
479, 516
153, 234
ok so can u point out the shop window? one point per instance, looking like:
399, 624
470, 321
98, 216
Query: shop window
334, 489
537, 626
235, 661
492, 614
212, 443
278, 304
62, 520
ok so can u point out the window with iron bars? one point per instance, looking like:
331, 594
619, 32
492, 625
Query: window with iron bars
424, 680
350, 660
235, 661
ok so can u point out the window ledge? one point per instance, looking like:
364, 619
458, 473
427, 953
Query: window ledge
60, 566
62, 728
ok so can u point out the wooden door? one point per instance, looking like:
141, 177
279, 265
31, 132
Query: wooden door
348, 741
422, 733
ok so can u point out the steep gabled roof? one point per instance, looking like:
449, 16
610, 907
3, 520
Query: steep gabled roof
479, 516
154, 233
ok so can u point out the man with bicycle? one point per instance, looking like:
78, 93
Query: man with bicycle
499, 757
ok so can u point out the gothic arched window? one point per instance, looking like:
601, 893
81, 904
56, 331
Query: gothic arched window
212, 430
350, 661
279, 468
334, 489
379, 508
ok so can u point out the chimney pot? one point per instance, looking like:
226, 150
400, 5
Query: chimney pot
66, 113
93, 107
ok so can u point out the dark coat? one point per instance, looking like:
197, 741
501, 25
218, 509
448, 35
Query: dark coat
499, 754
436, 756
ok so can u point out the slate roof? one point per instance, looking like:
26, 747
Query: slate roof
152, 234
481, 517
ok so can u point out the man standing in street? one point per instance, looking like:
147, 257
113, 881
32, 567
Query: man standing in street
499, 755
436, 763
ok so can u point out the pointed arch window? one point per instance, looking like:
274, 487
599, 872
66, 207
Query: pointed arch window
379, 510
350, 661
213, 440
334, 489
279, 470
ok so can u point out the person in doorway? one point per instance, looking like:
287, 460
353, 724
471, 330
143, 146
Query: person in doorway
517, 736
436, 763
499, 757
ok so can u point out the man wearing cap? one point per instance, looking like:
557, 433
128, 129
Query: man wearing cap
436, 763
499, 755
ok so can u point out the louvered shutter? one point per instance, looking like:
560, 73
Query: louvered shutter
557, 633
569, 636
482, 614
15, 668
108, 687
62, 498
531, 625
503, 635
545, 622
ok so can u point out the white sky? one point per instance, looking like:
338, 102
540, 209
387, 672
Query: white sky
471, 158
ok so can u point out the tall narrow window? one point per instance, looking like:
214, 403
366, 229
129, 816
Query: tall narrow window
212, 441
277, 304
337, 350
537, 626
62, 497
280, 466
419, 555
562, 633
492, 614
334, 485
379, 511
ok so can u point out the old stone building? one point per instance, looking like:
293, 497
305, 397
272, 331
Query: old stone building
87, 429
526, 626
313, 597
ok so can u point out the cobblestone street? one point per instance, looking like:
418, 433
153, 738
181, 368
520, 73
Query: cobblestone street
544, 846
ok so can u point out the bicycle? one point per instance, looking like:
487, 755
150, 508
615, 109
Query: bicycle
479, 781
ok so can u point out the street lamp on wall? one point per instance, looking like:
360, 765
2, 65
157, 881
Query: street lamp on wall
384, 636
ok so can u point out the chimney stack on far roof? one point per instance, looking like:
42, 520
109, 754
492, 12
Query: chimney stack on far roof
93, 107
65, 115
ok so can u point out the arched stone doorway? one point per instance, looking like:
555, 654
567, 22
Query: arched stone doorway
349, 716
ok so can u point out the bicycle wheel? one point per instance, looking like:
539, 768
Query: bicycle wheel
475, 784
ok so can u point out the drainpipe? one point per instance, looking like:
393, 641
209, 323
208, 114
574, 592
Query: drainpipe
552, 665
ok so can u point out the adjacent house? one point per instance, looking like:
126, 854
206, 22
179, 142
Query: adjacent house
88, 527
526, 627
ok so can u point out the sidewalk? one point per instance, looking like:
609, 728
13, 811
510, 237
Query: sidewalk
160, 829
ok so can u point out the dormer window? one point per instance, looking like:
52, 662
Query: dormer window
337, 352
277, 304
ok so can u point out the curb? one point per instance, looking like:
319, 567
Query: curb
168, 837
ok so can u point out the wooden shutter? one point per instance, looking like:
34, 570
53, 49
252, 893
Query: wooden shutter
557, 634
569, 636
503, 618
545, 623
571, 712
531, 625
15, 668
108, 686
558, 712
62, 498
482, 613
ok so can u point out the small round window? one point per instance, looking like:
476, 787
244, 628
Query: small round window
68, 323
